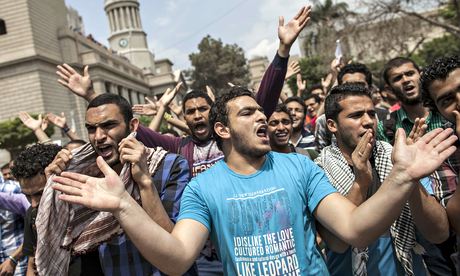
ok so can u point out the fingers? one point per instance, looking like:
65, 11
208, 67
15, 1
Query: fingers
105, 169
62, 76
299, 13
65, 188
72, 199
63, 72
427, 138
281, 21
62, 114
439, 140
69, 69
305, 17
64, 83
457, 120
85, 71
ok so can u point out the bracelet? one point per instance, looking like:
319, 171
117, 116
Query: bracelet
15, 262
66, 129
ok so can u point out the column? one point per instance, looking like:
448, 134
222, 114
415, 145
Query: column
117, 22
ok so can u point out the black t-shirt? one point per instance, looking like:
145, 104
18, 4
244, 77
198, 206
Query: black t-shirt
30, 232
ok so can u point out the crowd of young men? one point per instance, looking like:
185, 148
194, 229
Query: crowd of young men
257, 187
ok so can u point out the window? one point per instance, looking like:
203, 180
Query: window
107, 87
2, 27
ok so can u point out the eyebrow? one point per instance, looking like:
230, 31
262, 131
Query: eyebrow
111, 121
250, 108
447, 94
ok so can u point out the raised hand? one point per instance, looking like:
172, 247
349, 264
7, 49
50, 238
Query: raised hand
457, 122
148, 109
288, 33
59, 121
425, 155
418, 130
103, 194
134, 152
293, 69
43, 125
78, 84
29, 121
301, 85
175, 108
169, 95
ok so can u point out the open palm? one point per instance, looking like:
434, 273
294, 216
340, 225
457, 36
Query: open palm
288, 33
71, 79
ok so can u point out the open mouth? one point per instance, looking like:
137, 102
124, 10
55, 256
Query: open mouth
201, 128
281, 135
409, 88
105, 150
262, 131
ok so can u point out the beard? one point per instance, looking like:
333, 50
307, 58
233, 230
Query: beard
409, 101
244, 148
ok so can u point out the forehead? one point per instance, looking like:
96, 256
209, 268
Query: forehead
310, 101
239, 103
294, 105
279, 116
33, 184
103, 113
354, 77
441, 87
402, 69
317, 91
195, 102
356, 103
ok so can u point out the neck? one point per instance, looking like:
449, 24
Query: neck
346, 152
416, 111
244, 164
281, 148
296, 135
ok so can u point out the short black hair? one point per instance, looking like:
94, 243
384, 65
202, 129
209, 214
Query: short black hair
394, 63
219, 110
196, 94
282, 108
438, 70
332, 105
122, 103
298, 100
353, 68
315, 87
312, 96
33, 160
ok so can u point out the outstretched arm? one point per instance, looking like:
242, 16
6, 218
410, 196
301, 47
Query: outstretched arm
361, 225
35, 125
61, 122
273, 79
172, 253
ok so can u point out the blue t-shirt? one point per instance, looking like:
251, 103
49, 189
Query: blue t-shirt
382, 257
261, 223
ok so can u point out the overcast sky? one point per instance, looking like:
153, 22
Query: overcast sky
175, 27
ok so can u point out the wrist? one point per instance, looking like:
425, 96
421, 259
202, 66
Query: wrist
65, 128
13, 260
283, 50
126, 202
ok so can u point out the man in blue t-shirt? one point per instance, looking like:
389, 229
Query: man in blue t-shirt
357, 164
263, 207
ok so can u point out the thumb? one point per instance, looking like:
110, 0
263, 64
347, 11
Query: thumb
62, 114
85, 71
400, 137
39, 117
281, 21
457, 121
103, 166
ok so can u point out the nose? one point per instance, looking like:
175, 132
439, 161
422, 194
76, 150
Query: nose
261, 116
368, 121
197, 115
100, 135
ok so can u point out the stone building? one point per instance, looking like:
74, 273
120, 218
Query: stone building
39, 35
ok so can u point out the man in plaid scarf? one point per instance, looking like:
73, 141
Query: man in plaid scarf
357, 165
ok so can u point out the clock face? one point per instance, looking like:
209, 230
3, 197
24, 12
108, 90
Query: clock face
123, 42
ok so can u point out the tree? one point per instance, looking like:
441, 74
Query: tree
326, 14
312, 70
15, 136
448, 19
444, 46
217, 64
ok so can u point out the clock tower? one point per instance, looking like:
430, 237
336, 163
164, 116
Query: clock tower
126, 34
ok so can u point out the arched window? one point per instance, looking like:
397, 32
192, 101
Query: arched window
2, 27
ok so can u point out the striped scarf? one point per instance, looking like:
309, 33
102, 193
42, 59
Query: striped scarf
342, 177
65, 229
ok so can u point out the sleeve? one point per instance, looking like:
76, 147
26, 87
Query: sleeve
272, 84
174, 180
316, 184
30, 243
153, 139
16, 203
193, 205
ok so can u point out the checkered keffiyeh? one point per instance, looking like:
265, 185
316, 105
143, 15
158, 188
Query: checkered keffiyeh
65, 229
341, 176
